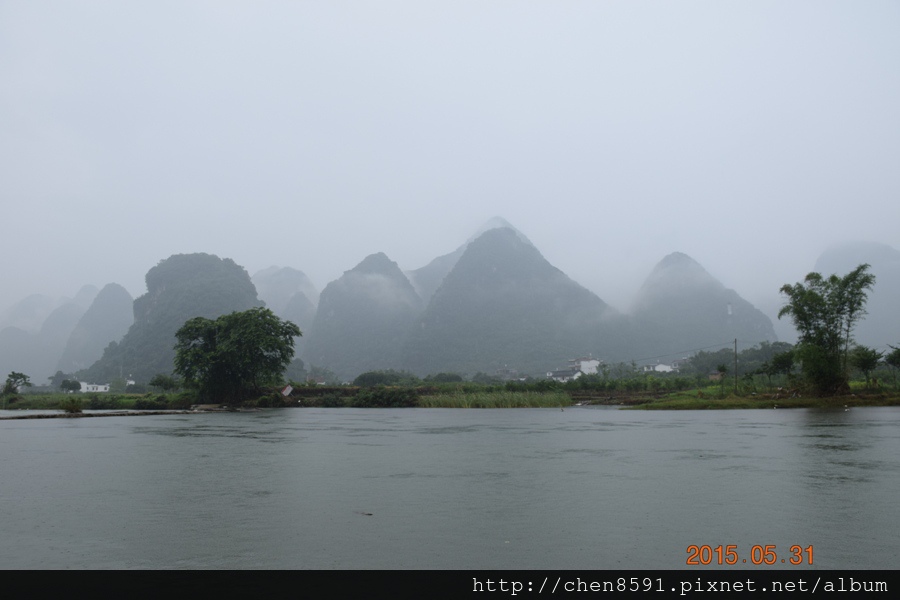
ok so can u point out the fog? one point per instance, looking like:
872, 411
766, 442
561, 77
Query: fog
749, 135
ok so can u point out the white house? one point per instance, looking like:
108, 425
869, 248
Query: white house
659, 368
587, 366
94, 387
564, 375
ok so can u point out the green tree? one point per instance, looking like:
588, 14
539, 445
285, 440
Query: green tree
782, 363
57, 380
825, 311
14, 381
71, 405
70, 385
322, 375
756, 358
296, 371
485, 379
118, 385
166, 383
893, 361
444, 378
722, 370
387, 377
373, 378
229, 358
866, 360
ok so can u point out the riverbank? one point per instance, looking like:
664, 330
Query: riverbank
768, 401
83, 415
710, 398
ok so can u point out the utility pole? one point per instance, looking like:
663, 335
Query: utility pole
735, 366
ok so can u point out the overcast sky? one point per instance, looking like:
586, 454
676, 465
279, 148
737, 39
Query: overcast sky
749, 135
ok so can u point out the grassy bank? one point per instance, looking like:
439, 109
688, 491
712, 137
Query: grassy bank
98, 401
693, 401
502, 399
397, 397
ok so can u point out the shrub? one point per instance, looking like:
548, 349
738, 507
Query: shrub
273, 400
95, 402
158, 403
182, 401
385, 397
497, 399
333, 401
444, 378
389, 377
71, 405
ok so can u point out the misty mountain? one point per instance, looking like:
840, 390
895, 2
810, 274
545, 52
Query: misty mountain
427, 279
36, 353
681, 308
881, 325
29, 313
106, 320
58, 326
276, 286
20, 351
86, 295
363, 319
493, 303
301, 311
179, 288
504, 306
290, 294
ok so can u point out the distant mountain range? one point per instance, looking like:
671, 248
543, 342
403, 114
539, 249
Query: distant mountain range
493, 304
496, 304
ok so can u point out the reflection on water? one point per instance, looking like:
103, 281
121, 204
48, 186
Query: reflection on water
586, 488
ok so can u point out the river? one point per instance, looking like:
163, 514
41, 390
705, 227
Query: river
583, 488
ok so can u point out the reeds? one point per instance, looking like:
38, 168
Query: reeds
496, 399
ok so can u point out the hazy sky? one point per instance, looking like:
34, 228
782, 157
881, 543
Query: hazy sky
749, 135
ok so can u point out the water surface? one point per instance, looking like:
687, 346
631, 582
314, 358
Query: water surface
584, 488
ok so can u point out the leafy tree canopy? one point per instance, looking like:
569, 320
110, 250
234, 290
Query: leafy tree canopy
164, 382
893, 358
388, 377
70, 385
444, 378
230, 357
782, 364
866, 360
57, 379
322, 375
825, 311
14, 381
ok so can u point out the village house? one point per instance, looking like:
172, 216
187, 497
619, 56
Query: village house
93, 387
564, 375
659, 368
587, 365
